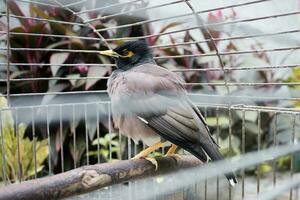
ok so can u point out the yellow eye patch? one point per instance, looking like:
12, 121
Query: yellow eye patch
128, 54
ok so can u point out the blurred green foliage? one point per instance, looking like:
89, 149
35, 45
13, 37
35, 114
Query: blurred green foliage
108, 144
19, 160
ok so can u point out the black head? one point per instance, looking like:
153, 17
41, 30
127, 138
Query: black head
131, 54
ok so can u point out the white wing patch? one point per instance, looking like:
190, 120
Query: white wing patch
143, 120
232, 182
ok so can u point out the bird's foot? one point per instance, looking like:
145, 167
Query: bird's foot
146, 152
152, 160
171, 151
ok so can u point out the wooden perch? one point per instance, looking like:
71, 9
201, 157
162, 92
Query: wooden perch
92, 177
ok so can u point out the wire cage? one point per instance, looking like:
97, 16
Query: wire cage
240, 60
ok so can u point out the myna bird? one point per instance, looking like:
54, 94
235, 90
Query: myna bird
150, 103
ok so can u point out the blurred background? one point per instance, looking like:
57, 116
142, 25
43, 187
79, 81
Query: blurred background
240, 60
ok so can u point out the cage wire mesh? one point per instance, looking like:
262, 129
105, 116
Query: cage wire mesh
240, 61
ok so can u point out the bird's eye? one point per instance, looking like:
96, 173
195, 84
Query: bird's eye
127, 53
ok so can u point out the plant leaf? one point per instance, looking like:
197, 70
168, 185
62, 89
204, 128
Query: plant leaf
18, 73
57, 58
56, 27
223, 121
73, 79
15, 9
94, 71
265, 168
163, 29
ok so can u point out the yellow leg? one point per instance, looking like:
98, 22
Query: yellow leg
149, 150
172, 150
146, 152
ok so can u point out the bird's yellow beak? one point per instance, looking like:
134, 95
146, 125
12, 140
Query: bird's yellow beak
110, 53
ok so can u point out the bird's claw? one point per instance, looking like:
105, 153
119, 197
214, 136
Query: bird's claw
152, 160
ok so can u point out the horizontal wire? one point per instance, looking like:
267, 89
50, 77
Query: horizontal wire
52, 35
57, 64
75, 3
106, 77
233, 106
162, 45
38, 3
273, 98
271, 108
182, 15
190, 94
54, 105
136, 10
194, 84
252, 108
158, 57
281, 110
230, 53
205, 25
245, 84
43, 19
47, 49
174, 70
266, 108
107, 7
239, 68
54, 78
56, 93
226, 38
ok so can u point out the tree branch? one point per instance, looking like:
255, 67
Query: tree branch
92, 177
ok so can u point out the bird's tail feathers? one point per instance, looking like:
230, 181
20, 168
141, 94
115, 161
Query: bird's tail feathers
215, 155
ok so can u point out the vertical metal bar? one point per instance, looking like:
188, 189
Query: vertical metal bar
205, 182
3, 150
243, 152
109, 130
230, 146
61, 139
129, 148
120, 145
86, 135
218, 137
49, 140
8, 53
98, 133
292, 157
74, 136
274, 143
18, 146
258, 149
135, 149
34, 141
